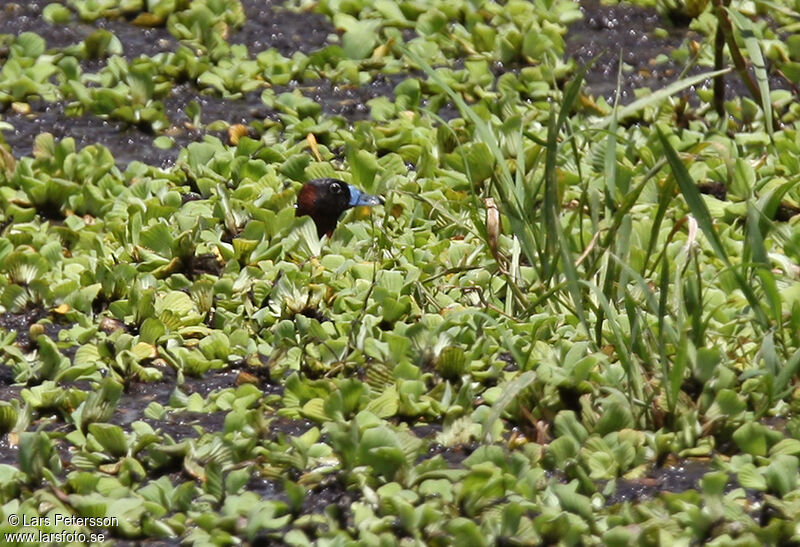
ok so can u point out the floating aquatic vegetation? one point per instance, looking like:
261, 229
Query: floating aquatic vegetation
565, 307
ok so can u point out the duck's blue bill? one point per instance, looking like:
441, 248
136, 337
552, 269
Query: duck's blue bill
357, 197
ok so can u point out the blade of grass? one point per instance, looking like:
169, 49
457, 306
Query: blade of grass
664, 285
719, 80
657, 96
521, 222
630, 199
772, 365
698, 325
551, 199
554, 232
786, 373
480, 224
759, 66
611, 194
665, 196
698, 208
754, 246
610, 155
514, 209
622, 350
720, 7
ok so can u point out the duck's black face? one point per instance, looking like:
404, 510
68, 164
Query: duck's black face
324, 200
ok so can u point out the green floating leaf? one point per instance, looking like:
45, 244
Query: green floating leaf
29, 44
176, 302
781, 474
572, 501
466, 532
750, 477
56, 13
157, 237
360, 40
431, 22
53, 361
752, 438
214, 480
615, 416
714, 483
379, 448
510, 392
97, 44
295, 167
786, 446
392, 310
385, 405
37, 456
474, 159
111, 438
8, 417
164, 142
364, 166
567, 424
321, 170
101, 404
451, 363
315, 410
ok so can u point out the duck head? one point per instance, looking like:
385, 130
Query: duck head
324, 200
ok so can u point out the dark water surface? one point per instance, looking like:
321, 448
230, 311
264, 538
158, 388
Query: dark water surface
606, 34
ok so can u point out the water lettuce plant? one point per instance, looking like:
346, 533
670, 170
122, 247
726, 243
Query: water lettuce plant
574, 320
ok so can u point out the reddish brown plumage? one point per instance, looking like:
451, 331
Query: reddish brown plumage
324, 200
305, 200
